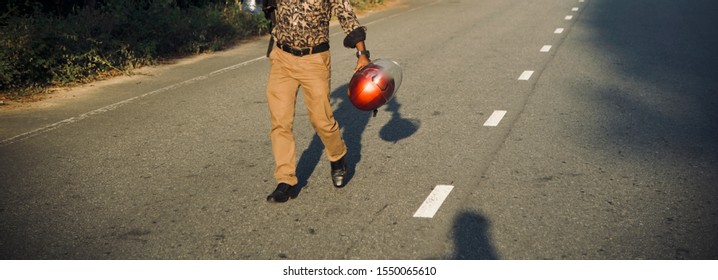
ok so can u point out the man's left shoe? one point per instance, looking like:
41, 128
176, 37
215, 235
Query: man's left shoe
339, 173
283, 193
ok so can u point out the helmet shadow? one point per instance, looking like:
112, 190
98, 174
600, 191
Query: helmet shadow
398, 128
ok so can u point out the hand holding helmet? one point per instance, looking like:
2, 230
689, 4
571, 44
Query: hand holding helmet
375, 84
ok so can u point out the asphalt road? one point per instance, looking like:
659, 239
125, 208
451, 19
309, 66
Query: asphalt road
604, 145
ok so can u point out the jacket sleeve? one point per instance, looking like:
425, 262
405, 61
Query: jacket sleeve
344, 12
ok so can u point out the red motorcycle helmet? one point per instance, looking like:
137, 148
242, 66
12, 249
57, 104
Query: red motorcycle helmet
375, 84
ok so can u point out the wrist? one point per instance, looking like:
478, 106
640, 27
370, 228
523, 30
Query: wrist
364, 53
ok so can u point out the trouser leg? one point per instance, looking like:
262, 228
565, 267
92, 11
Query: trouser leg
281, 98
315, 82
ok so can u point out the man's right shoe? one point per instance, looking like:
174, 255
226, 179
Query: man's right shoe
339, 173
282, 193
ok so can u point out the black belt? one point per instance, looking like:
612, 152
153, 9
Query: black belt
302, 52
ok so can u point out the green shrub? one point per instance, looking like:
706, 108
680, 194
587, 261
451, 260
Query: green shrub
364, 4
38, 50
41, 49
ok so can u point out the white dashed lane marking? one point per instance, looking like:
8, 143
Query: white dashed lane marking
495, 118
526, 75
432, 203
437, 196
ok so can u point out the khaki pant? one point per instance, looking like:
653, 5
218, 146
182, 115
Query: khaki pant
311, 72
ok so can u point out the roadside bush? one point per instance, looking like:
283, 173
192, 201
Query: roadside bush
364, 4
40, 48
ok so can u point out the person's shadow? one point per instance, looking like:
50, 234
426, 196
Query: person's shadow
471, 238
353, 122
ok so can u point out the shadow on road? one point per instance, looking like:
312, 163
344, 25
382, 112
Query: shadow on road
353, 122
471, 238
660, 111
398, 128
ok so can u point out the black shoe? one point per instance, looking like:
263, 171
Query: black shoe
339, 173
283, 193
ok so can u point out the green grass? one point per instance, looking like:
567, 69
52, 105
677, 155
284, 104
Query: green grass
39, 51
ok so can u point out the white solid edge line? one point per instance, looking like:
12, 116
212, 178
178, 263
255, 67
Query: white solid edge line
495, 118
433, 202
526, 75
119, 104
110, 107
546, 48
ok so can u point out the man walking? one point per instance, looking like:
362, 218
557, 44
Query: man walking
300, 58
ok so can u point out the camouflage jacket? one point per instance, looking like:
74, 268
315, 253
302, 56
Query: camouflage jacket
305, 23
